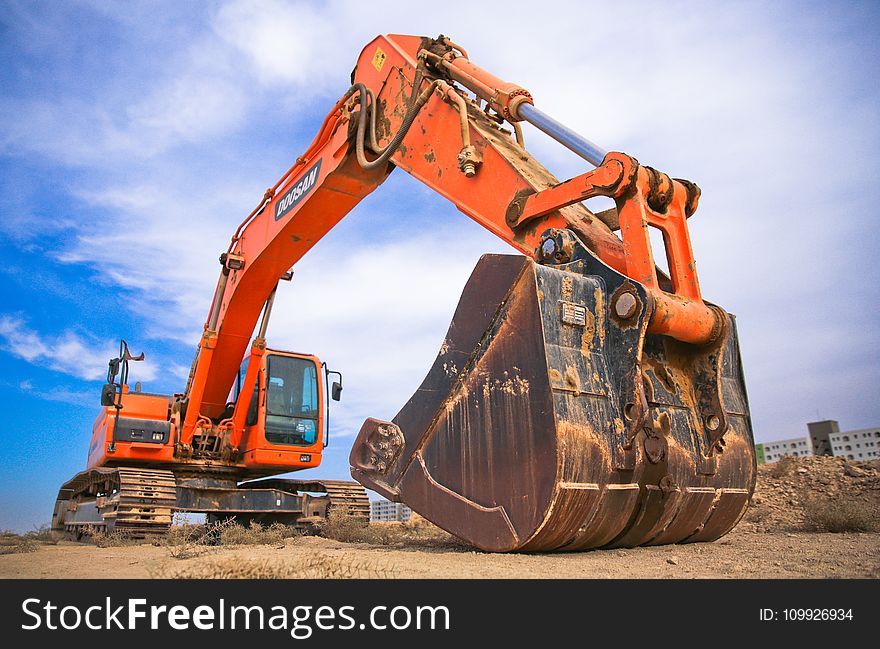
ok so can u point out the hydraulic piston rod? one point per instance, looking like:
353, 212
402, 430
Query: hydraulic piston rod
580, 145
514, 103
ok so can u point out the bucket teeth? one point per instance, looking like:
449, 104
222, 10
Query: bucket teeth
549, 422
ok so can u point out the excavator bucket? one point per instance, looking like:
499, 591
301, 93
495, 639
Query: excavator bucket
523, 436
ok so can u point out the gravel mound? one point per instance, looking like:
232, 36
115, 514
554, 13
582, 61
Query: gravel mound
799, 493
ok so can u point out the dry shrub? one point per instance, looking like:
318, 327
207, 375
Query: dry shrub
341, 526
185, 540
286, 531
348, 530
327, 566
418, 532
45, 535
783, 466
253, 534
844, 514
183, 534
316, 566
419, 522
188, 540
11, 543
187, 551
114, 539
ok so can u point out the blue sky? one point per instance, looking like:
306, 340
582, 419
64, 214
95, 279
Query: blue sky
135, 136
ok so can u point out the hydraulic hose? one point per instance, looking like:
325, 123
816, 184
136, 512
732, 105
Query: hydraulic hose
366, 98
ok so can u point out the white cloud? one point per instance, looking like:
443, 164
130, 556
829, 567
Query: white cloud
66, 352
203, 97
88, 398
285, 43
182, 94
163, 246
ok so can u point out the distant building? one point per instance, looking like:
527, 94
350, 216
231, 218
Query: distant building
798, 446
385, 511
863, 444
825, 438
820, 435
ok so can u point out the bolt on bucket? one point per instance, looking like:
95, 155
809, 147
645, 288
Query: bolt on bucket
551, 419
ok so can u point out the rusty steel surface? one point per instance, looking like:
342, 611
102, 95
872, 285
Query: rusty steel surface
550, 422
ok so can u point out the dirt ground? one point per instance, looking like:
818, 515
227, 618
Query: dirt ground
780, 537
741, 554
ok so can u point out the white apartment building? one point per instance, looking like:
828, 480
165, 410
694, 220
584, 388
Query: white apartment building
861, 444
385, 511
798, 446
825, 438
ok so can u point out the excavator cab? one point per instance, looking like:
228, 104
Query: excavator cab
287, 412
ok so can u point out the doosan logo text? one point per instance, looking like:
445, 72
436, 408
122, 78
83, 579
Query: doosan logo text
295, 194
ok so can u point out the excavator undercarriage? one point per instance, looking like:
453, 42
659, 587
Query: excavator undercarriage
142, 502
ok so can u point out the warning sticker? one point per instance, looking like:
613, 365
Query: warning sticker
574, 314
379, 59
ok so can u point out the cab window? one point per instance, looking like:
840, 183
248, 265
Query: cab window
291, 401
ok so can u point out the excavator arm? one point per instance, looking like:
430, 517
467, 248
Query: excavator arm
444, 140
656, 373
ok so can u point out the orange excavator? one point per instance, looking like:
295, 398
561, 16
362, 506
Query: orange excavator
582, 398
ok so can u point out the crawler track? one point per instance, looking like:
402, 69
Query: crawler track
342, 495
349, 496
137, 502
141, 502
